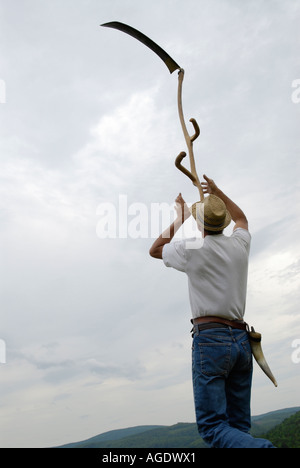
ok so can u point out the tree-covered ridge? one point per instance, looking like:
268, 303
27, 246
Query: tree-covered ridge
282, 427
286, 434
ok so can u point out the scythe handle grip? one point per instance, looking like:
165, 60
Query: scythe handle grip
189, 139
182, 168
197, 130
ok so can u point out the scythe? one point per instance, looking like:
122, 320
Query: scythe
255, 338
172, 66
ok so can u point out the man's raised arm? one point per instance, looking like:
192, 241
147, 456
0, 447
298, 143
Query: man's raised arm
183, 213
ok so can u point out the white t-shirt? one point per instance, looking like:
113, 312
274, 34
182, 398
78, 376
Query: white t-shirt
217, 273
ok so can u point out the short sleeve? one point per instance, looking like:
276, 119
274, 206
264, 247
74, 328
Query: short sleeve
175, 255
243, 236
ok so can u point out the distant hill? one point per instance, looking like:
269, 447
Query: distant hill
181, 435
108, 437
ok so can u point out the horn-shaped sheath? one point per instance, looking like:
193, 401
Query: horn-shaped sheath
255, 341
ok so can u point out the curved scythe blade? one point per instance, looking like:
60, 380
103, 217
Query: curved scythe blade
171, 64
255, 341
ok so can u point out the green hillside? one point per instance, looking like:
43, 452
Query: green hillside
286, 434
265, 422
181, 435
185, 435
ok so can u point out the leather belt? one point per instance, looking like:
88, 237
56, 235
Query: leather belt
217, 320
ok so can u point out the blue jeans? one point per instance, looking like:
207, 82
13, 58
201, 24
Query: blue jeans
222, 379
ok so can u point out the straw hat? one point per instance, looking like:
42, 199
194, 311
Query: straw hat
211, 214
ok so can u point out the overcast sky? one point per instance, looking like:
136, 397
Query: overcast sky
96, 331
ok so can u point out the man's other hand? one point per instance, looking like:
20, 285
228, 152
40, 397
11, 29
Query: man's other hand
182, 210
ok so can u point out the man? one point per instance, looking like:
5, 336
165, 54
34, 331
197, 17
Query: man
217, 277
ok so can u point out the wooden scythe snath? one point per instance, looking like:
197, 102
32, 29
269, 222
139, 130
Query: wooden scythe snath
189, 141
172, 66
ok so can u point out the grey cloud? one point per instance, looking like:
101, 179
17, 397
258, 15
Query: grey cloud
58, 370
267, 236
134, 371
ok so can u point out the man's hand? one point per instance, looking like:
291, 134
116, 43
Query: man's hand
236, 213
209, 186
182, 210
